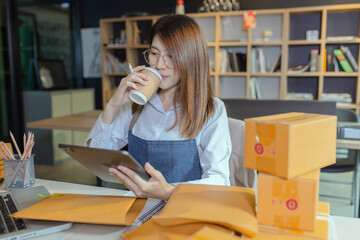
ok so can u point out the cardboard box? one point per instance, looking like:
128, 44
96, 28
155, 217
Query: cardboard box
290, 144
321, 231
289, 203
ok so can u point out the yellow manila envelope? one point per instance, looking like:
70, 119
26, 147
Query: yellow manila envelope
230, 207
209, 233
96, 209
1, 162
290, 144
153, 231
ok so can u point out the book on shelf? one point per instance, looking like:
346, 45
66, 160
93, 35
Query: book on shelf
314, 60
341, 38
299, 96
329, 59
344, 64
336, 64
237, 61
224, 62
339, 98
254, 88
254, 61
275, 66
262, 67
299, 69
258, 63
324, 60
347, 53
233, 62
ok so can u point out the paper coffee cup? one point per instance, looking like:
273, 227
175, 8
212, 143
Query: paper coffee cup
144, 92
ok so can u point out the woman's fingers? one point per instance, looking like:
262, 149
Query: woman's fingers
125, 180
132, 175
131, 85
138, 78
153, 172
139, 68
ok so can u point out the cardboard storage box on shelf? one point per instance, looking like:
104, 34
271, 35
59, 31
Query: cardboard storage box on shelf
290, 144
290, 203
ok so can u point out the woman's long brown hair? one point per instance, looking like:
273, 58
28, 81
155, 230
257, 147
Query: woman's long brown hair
184, 40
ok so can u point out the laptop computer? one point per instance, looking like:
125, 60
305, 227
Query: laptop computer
18, 199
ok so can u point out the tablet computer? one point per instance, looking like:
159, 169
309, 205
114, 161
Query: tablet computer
98, 161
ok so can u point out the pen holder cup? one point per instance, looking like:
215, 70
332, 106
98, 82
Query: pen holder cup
19, 173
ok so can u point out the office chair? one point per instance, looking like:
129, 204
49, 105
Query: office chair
345, 159
239, 175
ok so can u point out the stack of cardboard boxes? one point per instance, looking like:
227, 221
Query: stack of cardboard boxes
288, 150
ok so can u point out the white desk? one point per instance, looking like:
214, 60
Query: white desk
347, 228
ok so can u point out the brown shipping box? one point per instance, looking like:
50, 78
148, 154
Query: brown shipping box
289, 203
290, 144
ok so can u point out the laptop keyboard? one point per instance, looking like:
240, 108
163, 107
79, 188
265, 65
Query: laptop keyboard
9, 224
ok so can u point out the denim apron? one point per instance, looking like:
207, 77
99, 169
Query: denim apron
177, 160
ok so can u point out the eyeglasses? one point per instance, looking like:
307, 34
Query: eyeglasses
152, 57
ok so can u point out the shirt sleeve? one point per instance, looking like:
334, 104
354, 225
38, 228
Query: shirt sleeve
216, 142
113, 136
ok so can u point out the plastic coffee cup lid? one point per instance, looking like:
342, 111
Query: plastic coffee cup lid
156, 72
137, 97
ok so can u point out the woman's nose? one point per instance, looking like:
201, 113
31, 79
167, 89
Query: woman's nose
161, 62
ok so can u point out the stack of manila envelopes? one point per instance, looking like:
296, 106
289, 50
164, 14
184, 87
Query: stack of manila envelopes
193, 206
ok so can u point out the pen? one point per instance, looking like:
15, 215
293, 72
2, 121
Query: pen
130, 68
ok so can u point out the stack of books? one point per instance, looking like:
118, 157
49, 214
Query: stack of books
339, 98
299, 96
340, 59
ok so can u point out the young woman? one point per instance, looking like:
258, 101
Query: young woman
181, 134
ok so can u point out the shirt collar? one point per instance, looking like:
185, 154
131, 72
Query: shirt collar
157, 104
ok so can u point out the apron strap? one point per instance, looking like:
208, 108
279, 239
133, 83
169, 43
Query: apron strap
135, 116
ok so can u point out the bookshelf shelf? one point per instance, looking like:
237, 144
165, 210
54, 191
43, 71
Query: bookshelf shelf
266, 43
348, 106
114, 47
340, 74
276, 74
232, 43
232, 74
116, 74
304, 74
342, 42
336, 25
140, 46
304, 42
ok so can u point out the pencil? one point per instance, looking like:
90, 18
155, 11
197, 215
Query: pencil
15, 144
2, 155
7, 151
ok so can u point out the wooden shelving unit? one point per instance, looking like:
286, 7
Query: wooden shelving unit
224, 32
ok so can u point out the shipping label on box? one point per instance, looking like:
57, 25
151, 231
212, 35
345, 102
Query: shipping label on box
290, 144
289, 203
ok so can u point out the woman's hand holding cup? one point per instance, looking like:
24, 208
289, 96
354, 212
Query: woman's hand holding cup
121, 95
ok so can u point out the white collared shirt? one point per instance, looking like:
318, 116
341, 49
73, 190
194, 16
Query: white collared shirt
213, 141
